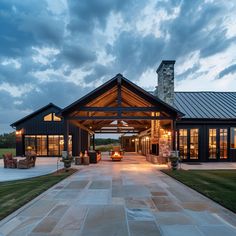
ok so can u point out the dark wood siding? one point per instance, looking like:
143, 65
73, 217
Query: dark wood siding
37, 126
204, 126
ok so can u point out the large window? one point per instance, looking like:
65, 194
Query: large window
47, 145
212, 144
233, 138
193, 143
223, 144
30, 141
41, 145
183, 143
51, 117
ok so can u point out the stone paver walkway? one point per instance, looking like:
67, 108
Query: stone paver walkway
128, 198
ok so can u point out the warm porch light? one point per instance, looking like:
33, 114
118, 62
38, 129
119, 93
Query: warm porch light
18, 132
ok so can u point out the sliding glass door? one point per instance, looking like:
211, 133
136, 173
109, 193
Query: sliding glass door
47, 145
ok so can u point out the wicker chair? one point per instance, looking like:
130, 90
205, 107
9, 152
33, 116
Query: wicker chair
28, 162
9, 161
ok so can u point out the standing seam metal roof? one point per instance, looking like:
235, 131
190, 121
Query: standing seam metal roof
206, 105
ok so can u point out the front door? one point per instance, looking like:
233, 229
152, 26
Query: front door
217, 144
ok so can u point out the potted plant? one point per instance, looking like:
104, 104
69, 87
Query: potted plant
174, 160
66, 159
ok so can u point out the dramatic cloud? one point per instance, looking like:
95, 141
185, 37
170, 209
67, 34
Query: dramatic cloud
57, 51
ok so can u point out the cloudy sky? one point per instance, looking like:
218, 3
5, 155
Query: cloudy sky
58, 50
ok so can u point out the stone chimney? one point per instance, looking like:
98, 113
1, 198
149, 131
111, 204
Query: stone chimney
165, 88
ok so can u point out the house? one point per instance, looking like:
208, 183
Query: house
200, 125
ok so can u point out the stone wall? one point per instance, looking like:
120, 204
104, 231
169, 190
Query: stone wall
165, 88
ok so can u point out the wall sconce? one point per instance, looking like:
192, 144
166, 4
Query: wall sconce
18, 132
132, 140
136, 140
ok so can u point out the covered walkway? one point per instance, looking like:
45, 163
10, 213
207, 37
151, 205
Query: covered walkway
125, 198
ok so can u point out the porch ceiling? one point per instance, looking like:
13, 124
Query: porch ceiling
119, 106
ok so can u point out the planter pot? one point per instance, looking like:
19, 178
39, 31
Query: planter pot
67, 164
86, 160
154, 159
174, 163
78, 161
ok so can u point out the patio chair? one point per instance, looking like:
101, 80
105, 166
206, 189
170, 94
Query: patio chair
9, 161
25, 164
28, 162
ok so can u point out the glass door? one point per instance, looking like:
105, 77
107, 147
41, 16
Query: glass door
189, 144
223, 144
212, 145
218, 143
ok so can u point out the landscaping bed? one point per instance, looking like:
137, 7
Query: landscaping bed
14, 194
219, 185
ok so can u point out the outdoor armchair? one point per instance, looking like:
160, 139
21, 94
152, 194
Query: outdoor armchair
9, 161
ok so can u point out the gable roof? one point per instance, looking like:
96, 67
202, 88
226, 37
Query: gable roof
35, 113
206, 105
110, 84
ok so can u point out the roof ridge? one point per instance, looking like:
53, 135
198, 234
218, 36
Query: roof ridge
205, 91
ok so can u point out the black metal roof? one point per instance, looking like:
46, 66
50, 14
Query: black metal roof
35, 113
206, 105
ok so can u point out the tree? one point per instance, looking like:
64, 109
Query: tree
8, 140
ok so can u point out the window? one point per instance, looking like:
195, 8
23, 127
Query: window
193, 143
30, 141
56, 118
233, 138
212, 144
41, 145
48, 117
223, 144
51, 117
183, 143
47, 145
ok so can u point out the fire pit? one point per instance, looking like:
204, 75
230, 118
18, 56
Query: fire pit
116, 154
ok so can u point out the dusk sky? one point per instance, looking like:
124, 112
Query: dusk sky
57, 50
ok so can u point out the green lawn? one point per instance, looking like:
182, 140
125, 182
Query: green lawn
219, 185
6, 150
14, 194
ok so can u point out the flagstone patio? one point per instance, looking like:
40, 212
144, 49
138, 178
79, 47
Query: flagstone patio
43, 166
125, 198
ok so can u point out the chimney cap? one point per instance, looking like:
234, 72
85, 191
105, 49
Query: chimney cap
165, 62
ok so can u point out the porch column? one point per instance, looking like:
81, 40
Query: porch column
66, 134
173, 130
93, 141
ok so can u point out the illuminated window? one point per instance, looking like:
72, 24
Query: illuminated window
56, 118
183, 143
48, 117
193, 143
223, 144
233, 138
212, 144
51, 117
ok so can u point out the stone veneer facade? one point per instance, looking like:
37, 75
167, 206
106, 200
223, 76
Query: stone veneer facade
165, 88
